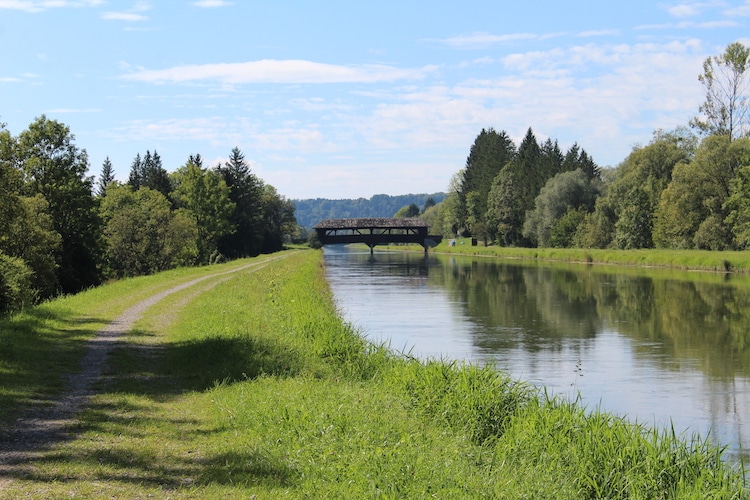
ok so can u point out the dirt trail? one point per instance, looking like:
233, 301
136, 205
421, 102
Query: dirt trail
41, 428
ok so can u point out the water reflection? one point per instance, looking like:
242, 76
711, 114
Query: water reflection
657, 346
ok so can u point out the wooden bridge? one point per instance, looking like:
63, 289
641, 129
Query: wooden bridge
373, 232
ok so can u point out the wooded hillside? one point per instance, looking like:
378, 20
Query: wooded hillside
311, 211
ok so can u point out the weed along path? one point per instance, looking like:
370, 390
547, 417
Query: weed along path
42, 428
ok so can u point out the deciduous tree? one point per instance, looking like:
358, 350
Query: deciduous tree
55, 168
143, 234
726, 81
204, 196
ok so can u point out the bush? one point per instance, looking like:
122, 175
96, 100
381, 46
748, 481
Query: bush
16, 289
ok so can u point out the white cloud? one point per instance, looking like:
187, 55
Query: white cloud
34, 6
279, 71
684, 10
130, 15
73, 110
207, 4
594, 33
483, 39
742, 10
123, 16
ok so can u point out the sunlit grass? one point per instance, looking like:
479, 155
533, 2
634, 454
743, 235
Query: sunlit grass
703, 260
258, 389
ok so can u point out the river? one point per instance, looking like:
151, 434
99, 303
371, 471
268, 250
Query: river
663, 348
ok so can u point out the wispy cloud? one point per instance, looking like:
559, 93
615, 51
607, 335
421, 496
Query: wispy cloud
483, 40
33, 6
209, 4
73, 110
134, 14
596, 33
742, 10
279, 71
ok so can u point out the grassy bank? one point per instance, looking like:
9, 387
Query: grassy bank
258, 389
696, 260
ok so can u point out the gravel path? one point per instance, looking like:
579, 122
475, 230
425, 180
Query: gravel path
43, 427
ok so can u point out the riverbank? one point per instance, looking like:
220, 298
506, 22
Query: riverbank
691, 260
259, 388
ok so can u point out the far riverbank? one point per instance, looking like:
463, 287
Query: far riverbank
690, 260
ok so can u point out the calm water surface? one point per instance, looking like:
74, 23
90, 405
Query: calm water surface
659, 347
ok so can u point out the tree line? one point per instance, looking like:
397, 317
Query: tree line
688, 188
311, 211
62, 232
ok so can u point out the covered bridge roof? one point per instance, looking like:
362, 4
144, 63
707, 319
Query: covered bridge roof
379, 223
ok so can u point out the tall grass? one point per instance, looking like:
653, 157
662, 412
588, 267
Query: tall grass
259, 389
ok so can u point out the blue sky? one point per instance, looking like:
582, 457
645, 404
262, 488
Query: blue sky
344, 99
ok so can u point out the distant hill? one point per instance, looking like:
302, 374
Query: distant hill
311, 211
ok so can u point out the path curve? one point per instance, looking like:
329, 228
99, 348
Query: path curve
41, 428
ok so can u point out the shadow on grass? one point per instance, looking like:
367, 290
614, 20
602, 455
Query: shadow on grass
165, 370
38, 349
140, 468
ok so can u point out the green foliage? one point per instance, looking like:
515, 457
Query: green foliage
16, 286
311, 211
633, 228
692, 209
278, 221
204, 197
154, 175
488, 155
738, 208
625, 216
565, 231
144, 236
106, 177
725, 79
565, 192
31, 236
56, 169
246, 192
411, 210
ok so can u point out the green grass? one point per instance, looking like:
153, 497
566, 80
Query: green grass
257, 389
697, 260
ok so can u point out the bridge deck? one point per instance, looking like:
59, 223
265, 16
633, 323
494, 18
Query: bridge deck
375, 231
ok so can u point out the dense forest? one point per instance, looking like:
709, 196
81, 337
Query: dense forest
60, 232
311, 211
688, 188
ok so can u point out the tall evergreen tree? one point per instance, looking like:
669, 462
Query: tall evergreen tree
514, 191
106, 177
154, 175
246, 191
136, 172
490, 152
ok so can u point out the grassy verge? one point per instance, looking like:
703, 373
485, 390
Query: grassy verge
697, 260
258, 389
40, 345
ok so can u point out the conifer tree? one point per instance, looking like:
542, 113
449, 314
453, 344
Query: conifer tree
106, 177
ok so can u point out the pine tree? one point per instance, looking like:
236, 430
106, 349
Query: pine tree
154, 175
106, 177
246, 191
136, 172
490, 152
